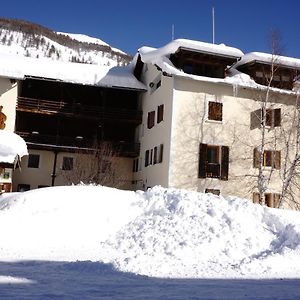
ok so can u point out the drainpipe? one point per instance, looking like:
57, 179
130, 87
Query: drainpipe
53, 175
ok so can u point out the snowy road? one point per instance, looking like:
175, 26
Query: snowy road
91, 280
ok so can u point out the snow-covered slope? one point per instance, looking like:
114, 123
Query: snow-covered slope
32, 40
161, 232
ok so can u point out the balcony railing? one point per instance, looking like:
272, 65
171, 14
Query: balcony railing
78, 109
121, 148
213, 170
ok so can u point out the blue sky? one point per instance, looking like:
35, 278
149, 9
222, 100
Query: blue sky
128, 25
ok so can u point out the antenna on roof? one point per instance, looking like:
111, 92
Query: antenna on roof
173, 31
213, 25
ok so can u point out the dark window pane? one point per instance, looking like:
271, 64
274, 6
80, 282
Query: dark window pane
33, 161
67, 164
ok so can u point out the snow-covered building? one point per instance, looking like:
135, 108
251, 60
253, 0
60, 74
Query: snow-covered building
202, 114
63, 109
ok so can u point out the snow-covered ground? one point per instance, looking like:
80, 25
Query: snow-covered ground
91, 242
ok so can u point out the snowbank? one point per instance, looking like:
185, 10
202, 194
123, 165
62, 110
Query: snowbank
161, 232
11, 145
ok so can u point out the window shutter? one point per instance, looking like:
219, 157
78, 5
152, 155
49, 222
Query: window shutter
224, 162
215, 110
277, 117
276, 199
150, 120
160, 113
277, 160
155, 156
146, 158
202, 160
269, 117
256, 197
255, 158
161, 150
151, 156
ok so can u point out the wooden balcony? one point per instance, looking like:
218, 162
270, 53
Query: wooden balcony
74, 144
78, 110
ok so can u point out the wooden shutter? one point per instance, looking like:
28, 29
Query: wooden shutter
277, 160
160, 113
202, 160
161, 150
269, 117
256, 197
224, 162
255, 158
147, 158
150, 120
155, 156
277, 117
215, 110
276, 200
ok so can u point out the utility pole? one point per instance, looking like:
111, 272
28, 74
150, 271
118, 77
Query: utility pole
213, 25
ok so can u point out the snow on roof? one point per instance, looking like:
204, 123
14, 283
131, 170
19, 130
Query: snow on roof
160, 56
268, 58
18, 67
11, 146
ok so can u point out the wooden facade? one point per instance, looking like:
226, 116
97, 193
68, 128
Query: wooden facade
53, 114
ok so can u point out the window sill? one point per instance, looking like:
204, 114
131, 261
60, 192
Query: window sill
213, 121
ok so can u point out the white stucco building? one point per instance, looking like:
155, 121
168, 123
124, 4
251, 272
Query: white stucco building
203, 107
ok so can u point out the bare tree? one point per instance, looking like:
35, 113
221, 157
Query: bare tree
98, 165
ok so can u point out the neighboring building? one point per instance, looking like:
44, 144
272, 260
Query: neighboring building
202, 115
66, 110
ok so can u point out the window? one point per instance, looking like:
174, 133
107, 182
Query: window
151, 119
160, 113
23, 187
33, 161
67, 163
271, 158
213, 161
270, 199
135, 167
215, 111
151, 156
155, 156
155, 84
273, 117
160, 155
213, 191
147, 158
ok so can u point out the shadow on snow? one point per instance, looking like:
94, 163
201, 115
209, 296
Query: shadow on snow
94, 280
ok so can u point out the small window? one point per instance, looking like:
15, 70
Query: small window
213, 161
271, 158
67, 163
160, 113
155, 156
151, 156
23, 187
147, 158
269, 199
160, 156
33, 161
212, 191
151, 119
215, 111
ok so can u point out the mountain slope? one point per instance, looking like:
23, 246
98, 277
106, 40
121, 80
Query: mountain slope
33, 40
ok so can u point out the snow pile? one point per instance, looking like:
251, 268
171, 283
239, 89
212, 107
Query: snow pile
161, 232
11, 145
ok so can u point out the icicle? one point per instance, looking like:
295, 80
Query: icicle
235, 89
